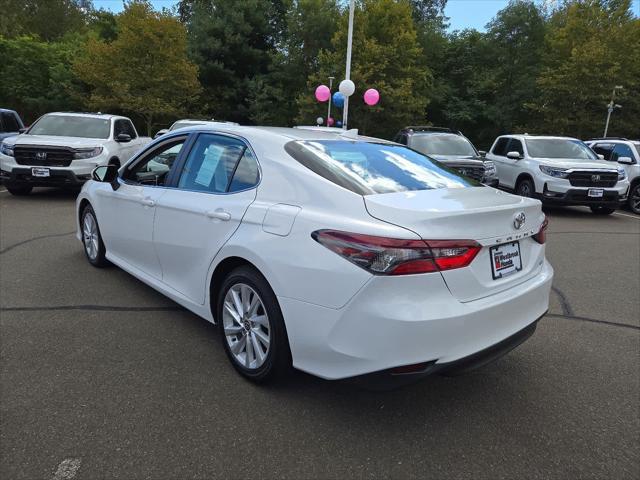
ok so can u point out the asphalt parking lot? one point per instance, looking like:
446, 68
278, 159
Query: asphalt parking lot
101, 377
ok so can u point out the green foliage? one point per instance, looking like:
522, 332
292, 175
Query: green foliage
145, 70
47, 19
386, 56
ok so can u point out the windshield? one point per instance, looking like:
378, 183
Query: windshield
559, 148
367, 168
447, 144
71, 126
178, 125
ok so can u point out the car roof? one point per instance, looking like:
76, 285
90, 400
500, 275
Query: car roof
7, 110
85, 114
524, 136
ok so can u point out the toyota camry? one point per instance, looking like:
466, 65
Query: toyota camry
337, 254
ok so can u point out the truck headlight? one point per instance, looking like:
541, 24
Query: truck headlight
622, 174
489, 169
82, 153
554, 172
6, 149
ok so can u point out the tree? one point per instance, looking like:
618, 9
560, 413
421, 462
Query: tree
145, 70
590, 47
386, 56
47, 19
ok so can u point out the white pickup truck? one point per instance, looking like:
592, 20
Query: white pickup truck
62, 149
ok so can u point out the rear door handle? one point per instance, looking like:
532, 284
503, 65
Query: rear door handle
219, 214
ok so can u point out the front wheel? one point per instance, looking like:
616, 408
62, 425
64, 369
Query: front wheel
525, 188
634, 199
19, 190
599, 210
92, 240
251, 326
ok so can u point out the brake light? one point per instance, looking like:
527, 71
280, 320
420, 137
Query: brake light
391, 256
541, 236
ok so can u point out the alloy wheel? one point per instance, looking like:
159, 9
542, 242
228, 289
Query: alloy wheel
90, 236
634, 199
246, 326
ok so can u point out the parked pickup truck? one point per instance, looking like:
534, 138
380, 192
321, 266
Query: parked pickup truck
62, 149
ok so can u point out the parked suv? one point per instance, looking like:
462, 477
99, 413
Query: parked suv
62, 149
627, 154
450, 148
10, 123
560, 170
189, 123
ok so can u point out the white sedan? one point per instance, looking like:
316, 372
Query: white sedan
338, 254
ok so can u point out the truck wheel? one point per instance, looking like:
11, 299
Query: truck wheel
634, 198
599, 210
19, 189
525, 188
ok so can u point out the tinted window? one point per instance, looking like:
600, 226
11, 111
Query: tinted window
124, 126
9, 123
368, 168
442, 144
559, 148
604, 149
500, 147
621, 150
154, 167
211, 163
515, 146
72, 126
246, 174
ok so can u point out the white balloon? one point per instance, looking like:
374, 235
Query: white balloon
319, 121
347, 87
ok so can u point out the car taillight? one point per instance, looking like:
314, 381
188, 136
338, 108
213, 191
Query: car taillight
541, 236
392, 256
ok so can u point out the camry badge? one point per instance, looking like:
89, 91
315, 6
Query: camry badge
518, 220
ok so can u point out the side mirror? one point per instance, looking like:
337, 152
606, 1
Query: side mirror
159, 133
600, 156
123, 138
626, 160
106, 174
482, 153
514, 155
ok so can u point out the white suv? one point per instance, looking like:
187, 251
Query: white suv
558, 170
62, 149
627, 154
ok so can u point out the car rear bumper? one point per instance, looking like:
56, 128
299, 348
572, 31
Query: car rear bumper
402, 321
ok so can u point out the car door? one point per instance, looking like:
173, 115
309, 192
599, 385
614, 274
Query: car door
126, 215
194, 220
127, 149
498, 154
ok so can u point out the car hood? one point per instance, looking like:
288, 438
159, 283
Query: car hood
459, 160
74, 142
578, 164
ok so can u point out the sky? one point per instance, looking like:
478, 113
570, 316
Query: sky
462, 13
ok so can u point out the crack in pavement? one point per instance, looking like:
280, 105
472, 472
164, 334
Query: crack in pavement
564, 302
593, 320
33, 239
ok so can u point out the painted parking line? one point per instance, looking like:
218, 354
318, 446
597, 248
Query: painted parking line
67, 469
626, 215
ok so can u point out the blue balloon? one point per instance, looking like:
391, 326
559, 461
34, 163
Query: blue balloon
339, 124
338, 100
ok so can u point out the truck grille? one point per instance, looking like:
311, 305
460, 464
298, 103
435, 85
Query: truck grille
477, 173
593, 179
43, 156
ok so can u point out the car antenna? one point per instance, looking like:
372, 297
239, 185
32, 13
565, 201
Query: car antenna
352, 133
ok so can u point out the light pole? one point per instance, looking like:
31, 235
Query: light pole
347, 76
610, 107
330, 99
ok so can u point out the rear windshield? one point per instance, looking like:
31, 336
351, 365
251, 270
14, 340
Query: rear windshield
71, 126
368, 168
559, 148
438, 144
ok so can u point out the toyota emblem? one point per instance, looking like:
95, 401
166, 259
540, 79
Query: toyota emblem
595, 178
41, 156
518, 220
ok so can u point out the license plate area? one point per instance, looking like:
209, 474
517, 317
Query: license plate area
595, 192
40, 172
505, 259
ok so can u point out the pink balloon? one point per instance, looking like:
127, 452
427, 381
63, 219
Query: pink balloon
330, 122
323, 93
371, 96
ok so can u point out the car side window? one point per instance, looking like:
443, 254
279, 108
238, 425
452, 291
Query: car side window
211, 164
515, 145
246, 174
153, 168
621, 150
604, 149
9, 123
500, 147
124, 126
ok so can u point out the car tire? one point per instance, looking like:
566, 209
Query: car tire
251, 326
526, 188
634, 198
19, 190
92, 239
599, 210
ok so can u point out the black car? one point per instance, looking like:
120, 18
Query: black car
452, 149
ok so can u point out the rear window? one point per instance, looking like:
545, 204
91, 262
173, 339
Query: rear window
368, 168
